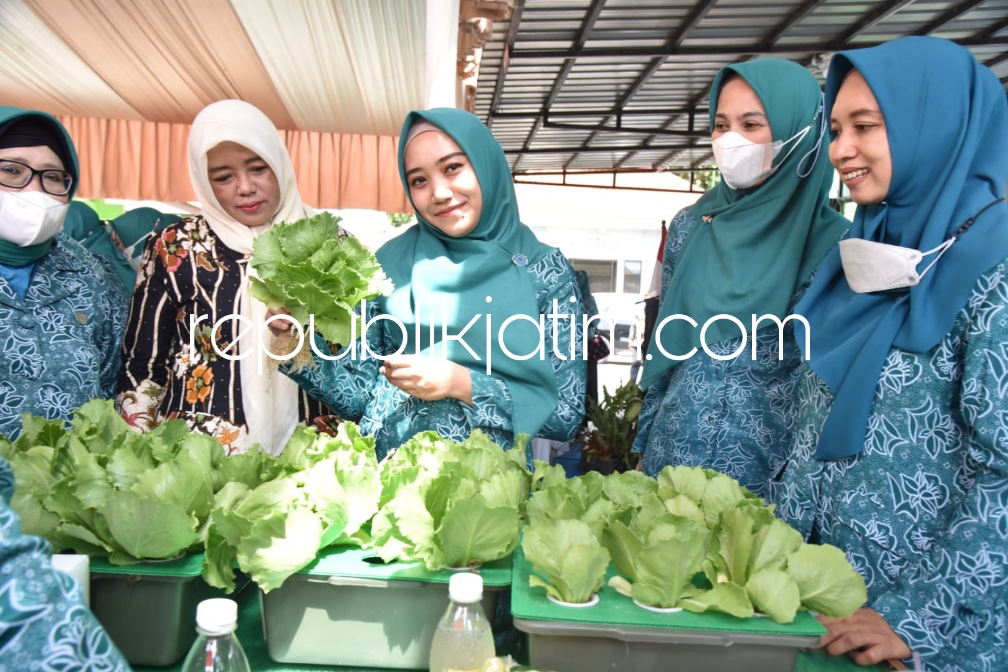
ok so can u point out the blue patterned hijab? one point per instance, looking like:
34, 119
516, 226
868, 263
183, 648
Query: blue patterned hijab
430, 269
947, 123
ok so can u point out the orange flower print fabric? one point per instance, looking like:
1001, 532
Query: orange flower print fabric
199, 385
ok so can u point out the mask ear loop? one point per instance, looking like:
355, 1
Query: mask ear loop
818, 145
941, 249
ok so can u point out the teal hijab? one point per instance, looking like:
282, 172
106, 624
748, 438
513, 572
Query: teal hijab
11, 254
752, 249
947, 123
134, 227
431, 270
82, 224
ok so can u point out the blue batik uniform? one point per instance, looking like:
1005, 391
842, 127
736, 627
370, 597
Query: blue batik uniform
44, 624
734, 415
901, 450
59, 342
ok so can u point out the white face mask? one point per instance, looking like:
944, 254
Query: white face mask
744, 163
877, 267
30, 217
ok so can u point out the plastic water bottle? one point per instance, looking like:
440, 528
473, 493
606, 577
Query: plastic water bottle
216, 649
463, 640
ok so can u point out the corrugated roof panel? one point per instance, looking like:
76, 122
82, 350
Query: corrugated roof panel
652, 61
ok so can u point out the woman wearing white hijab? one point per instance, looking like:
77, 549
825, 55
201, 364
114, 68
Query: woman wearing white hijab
192, 294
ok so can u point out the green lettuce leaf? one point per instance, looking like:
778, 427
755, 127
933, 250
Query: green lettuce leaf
827, 583
309, 268
570, 556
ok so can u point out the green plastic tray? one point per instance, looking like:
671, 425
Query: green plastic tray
349, 609
616, 634
149, 609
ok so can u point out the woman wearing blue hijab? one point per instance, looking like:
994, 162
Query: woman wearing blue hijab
468, 267
62, 313
901, 456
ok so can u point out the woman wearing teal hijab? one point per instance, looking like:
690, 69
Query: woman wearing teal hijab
61, 320
468, 268
901, 450
747, 247
82, 224
62, 314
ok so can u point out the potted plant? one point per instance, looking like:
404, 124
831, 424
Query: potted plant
607, 438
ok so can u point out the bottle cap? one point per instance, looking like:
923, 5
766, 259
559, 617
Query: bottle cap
465, 587
217, 615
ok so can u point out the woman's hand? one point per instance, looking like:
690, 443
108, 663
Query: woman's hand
865, 636
278, 327
428, 378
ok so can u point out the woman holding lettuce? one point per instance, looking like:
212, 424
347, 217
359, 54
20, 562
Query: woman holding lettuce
180, 358
444, 356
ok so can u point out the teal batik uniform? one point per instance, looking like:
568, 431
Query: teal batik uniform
501, 258
740, 252
901, 450
60, 342
733, 415
44, 624
61, 323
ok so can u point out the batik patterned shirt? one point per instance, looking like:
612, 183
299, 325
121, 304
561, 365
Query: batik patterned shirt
734, 415
355, 390
922, 513
188, 281
59, 345
44, 624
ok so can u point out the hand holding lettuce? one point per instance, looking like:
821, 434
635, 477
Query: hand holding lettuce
312, 268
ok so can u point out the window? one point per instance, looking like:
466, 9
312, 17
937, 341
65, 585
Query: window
601, 273
631, 277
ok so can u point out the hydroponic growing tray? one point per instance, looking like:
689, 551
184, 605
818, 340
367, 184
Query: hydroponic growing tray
616, 634
350, 609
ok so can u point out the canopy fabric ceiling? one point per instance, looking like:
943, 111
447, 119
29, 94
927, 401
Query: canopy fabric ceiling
565, 85
128, 77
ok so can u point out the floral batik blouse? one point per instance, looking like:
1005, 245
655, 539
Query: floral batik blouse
188, 279
922, 512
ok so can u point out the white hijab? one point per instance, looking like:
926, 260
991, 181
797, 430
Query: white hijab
270, 399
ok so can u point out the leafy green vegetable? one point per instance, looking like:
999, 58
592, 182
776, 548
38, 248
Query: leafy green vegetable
659, 560
320, 492
693, 538
570, 556
451, 504
826, 581
310, 267
101, 488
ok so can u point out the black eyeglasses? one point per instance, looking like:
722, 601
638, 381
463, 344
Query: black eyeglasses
16, 175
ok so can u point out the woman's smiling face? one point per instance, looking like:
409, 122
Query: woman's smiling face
443, 184
860, 146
